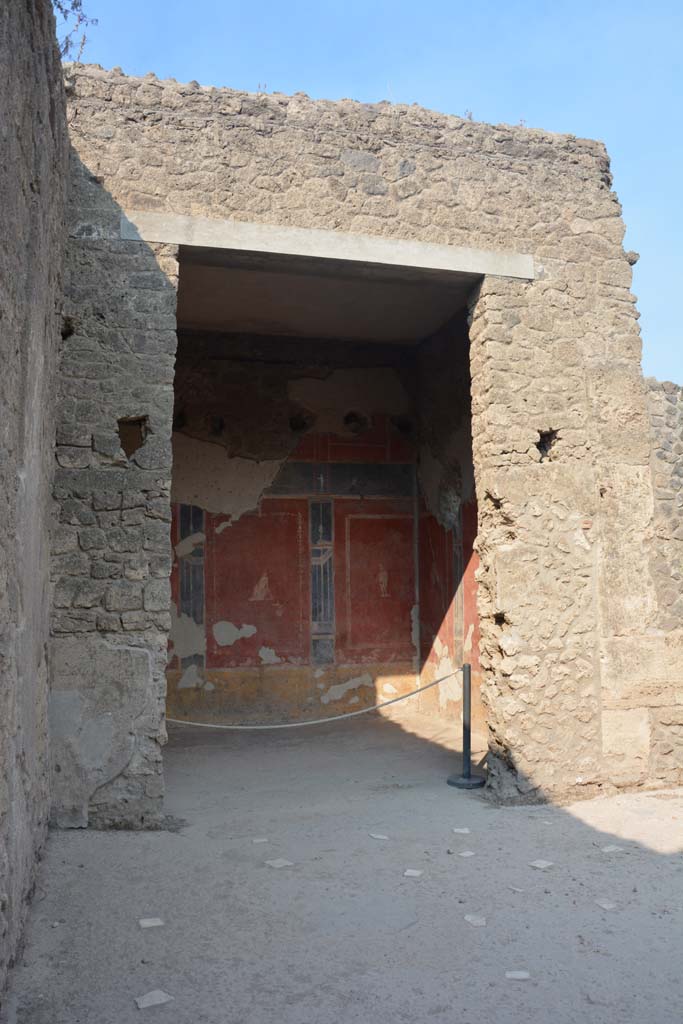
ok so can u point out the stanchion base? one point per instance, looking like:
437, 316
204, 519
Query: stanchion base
461, 782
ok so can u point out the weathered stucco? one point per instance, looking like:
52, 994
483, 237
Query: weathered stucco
32, 201
559, 418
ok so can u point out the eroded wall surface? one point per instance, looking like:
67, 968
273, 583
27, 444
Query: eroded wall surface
32, 199
559, 418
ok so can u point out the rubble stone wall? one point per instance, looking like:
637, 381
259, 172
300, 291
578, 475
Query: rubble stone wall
111, 542
560, 424
663, 686
33, 149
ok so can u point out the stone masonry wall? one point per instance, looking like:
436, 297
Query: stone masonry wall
32, 200
664, 690
111, 544
560, 427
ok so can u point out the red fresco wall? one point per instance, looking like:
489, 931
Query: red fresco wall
257, 572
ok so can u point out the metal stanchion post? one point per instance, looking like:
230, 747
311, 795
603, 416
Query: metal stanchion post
467, 780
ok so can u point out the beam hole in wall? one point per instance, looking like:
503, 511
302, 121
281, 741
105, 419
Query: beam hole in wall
356, 422
302, 421
405, 425
546, 442
133, 432
68, 327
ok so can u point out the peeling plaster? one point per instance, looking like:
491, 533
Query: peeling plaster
227, 633
338, 691
268, 656
451, 687
206, 476
191, 679
187, 545
415, 628
441, 497
187, 636
368, 390
389, 688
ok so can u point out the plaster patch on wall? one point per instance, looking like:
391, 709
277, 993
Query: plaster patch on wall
261, 591
368, 390
338, 691
442, 499
389, 688
191, 679
204, 475
227, 633
223, 526
268, 656
415, 628
187, 636
187, 545
467, 646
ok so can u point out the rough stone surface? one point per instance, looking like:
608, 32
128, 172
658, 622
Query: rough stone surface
111, 544
32, 199
559, 414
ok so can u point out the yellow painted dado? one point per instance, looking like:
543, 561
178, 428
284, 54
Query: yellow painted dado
283, 693
289, 693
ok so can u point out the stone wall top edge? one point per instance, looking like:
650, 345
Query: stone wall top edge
654, 384
277, 100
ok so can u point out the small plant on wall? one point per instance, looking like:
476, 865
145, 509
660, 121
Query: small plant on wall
72, 26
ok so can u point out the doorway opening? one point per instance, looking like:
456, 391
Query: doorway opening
324, 509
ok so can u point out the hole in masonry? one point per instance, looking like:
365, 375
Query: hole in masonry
356, 422
546, 442
133, 432
404, 425
68, 327
500, 619
300, 422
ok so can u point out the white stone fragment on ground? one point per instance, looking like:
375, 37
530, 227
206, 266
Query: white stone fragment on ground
611, 848
517, 975
461, 831
260, 839
279, 862
411, 873
150, 922
476, 920
540, 864
516, 888
156, 998
606, 904
377, 835
466, 853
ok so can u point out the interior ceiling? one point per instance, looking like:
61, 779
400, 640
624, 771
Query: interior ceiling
253, 293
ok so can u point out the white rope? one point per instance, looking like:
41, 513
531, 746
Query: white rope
314, 721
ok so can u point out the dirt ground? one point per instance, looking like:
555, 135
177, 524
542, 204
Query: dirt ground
340, 934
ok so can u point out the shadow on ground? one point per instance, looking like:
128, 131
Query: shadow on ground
341, 934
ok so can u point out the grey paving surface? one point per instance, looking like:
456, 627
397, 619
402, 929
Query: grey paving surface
341, 935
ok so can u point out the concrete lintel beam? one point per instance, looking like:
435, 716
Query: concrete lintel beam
204, 232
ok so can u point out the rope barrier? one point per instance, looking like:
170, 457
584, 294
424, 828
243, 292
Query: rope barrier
315, 721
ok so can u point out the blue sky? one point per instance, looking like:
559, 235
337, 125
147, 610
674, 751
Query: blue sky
607, 70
